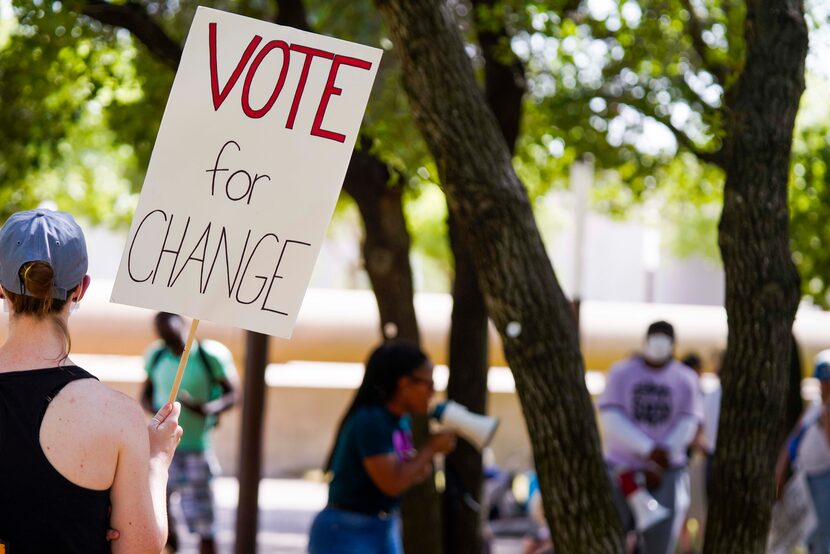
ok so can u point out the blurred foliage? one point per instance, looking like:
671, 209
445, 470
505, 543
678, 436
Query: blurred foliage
623, 81
58, 75
628, 83
810, 211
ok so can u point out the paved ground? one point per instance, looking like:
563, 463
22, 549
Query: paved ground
287, 507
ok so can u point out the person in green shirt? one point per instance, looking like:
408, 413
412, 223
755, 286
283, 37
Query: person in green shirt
209, 386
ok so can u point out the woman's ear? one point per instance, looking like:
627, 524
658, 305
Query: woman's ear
81, 288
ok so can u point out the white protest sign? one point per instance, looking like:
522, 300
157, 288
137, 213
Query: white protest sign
245, 173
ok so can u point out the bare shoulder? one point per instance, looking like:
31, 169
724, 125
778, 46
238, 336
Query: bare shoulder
116, 412
86, 430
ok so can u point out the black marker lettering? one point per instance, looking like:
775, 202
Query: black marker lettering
248, 187
216, 169
223, 240
264, 279
132, 244
204, 238
165, 250
278, 276
256, 178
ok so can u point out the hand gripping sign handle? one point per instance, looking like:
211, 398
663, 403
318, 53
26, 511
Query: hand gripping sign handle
183, 362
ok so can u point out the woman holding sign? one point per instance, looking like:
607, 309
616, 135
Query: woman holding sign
76, 458
373, 461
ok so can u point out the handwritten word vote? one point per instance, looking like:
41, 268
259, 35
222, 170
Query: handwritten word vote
288, 52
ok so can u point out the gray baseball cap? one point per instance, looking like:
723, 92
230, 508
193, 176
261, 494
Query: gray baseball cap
46, 236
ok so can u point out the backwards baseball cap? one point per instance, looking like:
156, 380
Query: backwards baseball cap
45, 236
822, 366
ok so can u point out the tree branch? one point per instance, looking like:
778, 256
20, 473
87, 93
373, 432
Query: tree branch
504, 75
714, 157
695, 29
689, 95
134, 17
292, 13
570, 10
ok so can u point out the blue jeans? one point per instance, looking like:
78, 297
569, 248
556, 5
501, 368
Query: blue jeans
341, 532
819, 485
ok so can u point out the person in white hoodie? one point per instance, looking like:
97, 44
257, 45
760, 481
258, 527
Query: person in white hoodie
650, 413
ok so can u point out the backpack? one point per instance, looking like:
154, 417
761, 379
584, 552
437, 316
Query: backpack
206, 363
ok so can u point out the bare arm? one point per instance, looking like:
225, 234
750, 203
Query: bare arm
394, 477
138, 492
230, 392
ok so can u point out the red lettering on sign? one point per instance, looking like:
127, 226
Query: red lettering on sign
310, 54
246, 89
332, 90
219, 96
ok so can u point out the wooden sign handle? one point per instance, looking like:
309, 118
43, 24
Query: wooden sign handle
183, 362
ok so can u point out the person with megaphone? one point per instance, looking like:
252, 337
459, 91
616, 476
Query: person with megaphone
650, 413
373, 460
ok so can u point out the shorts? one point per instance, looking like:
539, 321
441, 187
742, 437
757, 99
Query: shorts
190, 476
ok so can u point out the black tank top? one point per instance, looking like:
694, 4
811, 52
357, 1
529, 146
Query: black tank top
41, 512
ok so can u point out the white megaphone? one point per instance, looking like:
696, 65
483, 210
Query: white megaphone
644, 507
477, 429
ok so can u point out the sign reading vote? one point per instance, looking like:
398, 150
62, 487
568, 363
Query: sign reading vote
245, 173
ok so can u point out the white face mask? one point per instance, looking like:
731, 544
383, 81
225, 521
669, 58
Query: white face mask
658, 349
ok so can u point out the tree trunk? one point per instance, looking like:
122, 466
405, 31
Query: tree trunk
468, 361
467, 385
762, 286
521, 292
504, 76
385, 242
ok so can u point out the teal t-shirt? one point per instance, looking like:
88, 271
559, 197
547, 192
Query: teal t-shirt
201, 383
369, 431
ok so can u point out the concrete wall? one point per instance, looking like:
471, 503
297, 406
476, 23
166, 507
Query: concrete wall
301, 419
